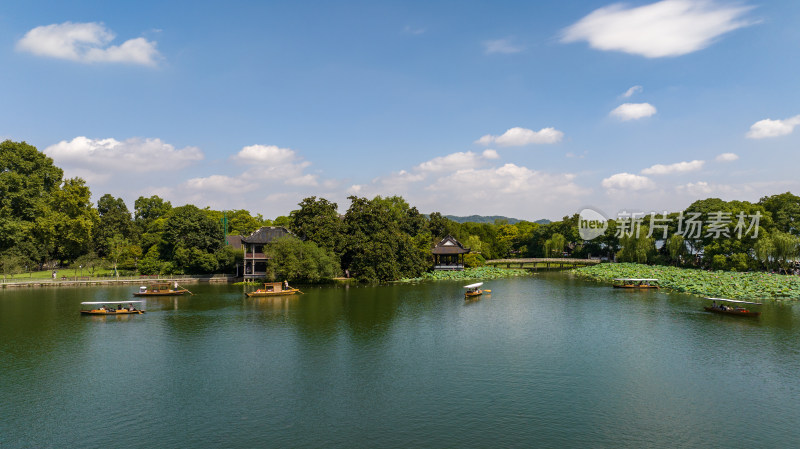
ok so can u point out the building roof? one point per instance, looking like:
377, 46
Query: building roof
234, 241
267, 234
449, 245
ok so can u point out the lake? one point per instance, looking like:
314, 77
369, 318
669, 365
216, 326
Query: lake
544, 361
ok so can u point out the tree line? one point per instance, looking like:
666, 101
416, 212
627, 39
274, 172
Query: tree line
48, 221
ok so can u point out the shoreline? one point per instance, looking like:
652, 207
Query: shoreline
89, 281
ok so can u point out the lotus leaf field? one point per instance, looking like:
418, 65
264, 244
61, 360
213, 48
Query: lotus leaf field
720, 284
479, 273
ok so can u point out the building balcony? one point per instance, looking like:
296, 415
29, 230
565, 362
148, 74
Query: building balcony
449, 267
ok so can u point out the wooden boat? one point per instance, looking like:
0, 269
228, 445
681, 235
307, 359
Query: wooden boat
473, 290
635, 283
731, 310
107, 308
161, 289
274, 289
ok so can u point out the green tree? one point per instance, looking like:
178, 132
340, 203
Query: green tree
318, 220
190, 239
785, 247
115, 219
554, 246
297, 260
637, 247
785, 211
676, 247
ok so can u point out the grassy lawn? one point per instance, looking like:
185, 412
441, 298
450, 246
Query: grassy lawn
68, 272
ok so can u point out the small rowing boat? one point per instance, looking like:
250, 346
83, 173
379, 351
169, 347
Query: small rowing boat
161, 289
274, 289
473, 290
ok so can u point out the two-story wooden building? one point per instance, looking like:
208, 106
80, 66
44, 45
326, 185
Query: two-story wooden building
253, 246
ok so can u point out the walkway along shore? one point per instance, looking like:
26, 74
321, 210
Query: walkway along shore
122, 280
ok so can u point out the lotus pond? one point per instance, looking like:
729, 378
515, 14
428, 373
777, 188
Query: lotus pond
722, 284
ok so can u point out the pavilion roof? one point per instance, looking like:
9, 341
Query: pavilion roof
449, 245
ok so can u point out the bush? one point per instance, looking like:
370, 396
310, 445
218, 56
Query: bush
740, 262
719, 262
473, 260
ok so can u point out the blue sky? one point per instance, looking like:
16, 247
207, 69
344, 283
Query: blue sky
525, 109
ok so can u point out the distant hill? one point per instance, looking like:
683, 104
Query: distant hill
489, 219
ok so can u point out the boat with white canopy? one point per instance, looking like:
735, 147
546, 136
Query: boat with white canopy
113, 307
474, 290
720, 305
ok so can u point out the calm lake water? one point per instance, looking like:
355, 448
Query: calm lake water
545, 361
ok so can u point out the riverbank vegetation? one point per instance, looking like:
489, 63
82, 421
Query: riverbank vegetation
479, 273
721, 284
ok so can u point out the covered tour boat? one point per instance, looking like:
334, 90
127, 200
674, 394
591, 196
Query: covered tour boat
274, 289
635, 283
161, 289
108, 308
473, 290
718, 305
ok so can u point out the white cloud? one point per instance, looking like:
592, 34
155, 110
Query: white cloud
265, 154
509, 190
131, 155
699, 189
504, 46
86, 42
303, 180
517, 136
627, 181
220, 183
633, 111
490, 154
451, 162
629, 93
766, 128
727, 157
680, 167
665, 28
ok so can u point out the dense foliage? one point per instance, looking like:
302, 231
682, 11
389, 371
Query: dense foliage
47, 221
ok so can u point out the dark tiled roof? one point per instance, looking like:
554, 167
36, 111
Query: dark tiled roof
449, 245
267, 234
234, 241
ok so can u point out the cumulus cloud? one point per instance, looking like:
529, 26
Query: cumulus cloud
505, 46
633, 111
131, 155
87, 43
766, 128
265, 154
220, 183
727, 157
627, 181
661, 29
629, 93
506, 179
517, 136
490, 154
454, 161
679, 167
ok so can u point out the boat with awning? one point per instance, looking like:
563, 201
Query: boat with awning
113, 307
736, 307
